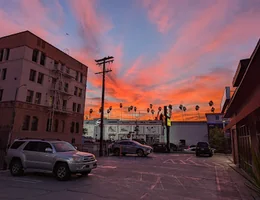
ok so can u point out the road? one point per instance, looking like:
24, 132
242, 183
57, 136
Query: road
159, 176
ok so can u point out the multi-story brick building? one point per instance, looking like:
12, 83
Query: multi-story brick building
48, 86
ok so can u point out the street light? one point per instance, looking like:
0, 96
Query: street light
13, 115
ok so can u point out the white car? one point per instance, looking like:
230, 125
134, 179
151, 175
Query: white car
191, 149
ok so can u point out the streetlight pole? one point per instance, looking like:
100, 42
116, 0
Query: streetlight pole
13, 115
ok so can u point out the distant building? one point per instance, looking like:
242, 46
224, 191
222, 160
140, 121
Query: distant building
189, 132
244, 111
50, 89
151, 131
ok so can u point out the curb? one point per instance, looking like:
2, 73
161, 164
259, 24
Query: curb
252, 185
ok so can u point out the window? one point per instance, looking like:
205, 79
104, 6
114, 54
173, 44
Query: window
17, 144
38, 97
40, 78
49, 125
80, 92
62, 67
56, 125
62, 126
1, 94
66, 87
43, 57
56, 64
29, 97
75, 91
35, 55
74, 107
78, 108
67, 70
51, 101
7, 54
77, 76
43, 145
64, 105
26, 123
4, 74
32, 75
31, 146
217, 117
81, 77
34, 124
77, 127
72, 127
1, 54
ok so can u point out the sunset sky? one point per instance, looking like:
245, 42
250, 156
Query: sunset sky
166, 51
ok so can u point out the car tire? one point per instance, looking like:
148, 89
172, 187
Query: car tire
140, 152
16, 168
197, 154
62, 172
86, 173
210, 155
116, 152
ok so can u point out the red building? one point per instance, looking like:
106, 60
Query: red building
244, 111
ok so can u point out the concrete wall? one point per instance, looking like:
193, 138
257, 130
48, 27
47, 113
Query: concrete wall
191, 132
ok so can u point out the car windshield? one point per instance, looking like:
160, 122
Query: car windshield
63, 147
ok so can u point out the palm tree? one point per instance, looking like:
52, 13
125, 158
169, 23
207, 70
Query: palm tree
148, 110
90, 112
184, 110
152, 111
159, 110
181, 108
121, 107
197, 109
135, 109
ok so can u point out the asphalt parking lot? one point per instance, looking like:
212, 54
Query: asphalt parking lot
159, 176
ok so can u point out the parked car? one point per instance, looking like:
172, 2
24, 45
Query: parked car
191, 149
203, 148
56, 156
162, 147
130, 147
141, 141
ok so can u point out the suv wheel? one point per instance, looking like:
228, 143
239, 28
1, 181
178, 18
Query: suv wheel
16, 168
140, 152
62, 172
197, 154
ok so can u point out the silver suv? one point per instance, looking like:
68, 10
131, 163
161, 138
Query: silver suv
58, 157
130, 147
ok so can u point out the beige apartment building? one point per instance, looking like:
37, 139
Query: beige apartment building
48, 85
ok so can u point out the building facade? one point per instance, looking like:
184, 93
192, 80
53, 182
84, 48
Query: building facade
152, 131
43, 86
244, 111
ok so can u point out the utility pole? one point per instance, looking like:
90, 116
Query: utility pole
103, 62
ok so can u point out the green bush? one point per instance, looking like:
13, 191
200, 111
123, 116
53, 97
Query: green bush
217, 139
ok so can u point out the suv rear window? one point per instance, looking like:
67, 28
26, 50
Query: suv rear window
17, 144
202, 144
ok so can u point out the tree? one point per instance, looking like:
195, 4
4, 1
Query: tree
217, 139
